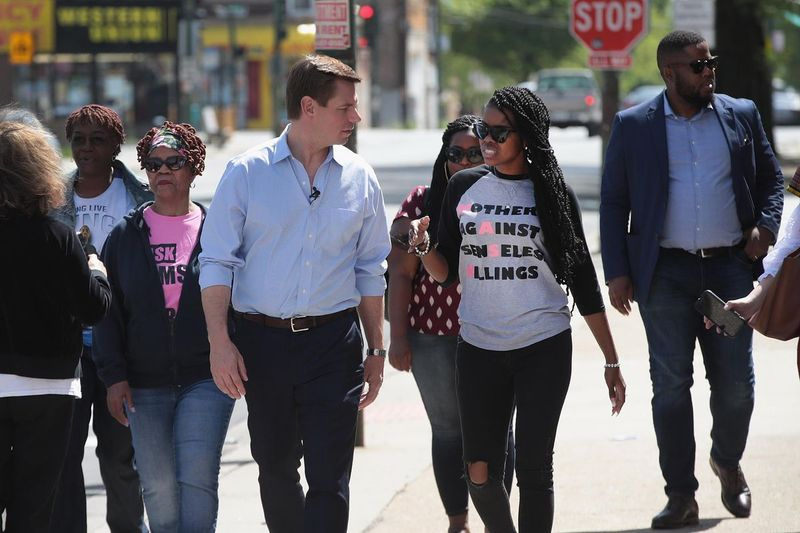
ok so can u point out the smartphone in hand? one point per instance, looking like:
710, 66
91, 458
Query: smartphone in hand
710, 305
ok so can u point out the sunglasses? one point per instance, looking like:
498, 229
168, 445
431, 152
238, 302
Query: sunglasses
153, 164
455, 154
498, 133
699, 65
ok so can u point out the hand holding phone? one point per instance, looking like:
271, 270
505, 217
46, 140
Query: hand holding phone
711, 306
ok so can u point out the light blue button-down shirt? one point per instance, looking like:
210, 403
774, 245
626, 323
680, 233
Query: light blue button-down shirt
286, 253
701, 210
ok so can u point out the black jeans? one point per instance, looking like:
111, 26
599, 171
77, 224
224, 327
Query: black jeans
124, 507
34, 432
434, 371
489, 382
302, 401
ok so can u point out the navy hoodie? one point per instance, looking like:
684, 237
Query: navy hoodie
138, 341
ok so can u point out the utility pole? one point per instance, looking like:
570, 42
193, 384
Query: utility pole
610, 97
346, 53
278, 104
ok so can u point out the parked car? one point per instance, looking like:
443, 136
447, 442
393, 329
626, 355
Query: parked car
786, 106
572, 97
642, 93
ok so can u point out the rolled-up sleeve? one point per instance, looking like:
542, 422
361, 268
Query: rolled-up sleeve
221, 238
373, 243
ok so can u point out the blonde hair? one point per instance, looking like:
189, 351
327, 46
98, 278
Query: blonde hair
30, 171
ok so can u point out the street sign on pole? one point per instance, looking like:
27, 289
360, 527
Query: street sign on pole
20, 47
696, 15
609, 29
333, 25
610, 61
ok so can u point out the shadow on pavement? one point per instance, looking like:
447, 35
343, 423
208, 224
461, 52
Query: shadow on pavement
704, 525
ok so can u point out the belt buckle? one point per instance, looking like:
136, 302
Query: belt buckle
296, 330
702, 253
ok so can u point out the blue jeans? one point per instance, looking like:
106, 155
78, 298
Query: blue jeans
434, 370
178, 433
672, 326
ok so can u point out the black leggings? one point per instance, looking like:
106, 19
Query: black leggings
489, 382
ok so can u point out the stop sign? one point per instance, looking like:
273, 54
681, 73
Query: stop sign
608, 26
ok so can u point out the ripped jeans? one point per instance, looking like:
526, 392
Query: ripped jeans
489, 382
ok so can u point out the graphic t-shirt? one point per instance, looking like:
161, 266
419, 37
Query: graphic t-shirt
433, 309
172, 240
101, 213
509, 295
98, 216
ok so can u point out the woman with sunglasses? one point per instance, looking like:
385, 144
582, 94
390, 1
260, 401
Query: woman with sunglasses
511, 232
153, 351
424, 324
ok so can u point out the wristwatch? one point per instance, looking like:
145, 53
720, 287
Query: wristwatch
377, 352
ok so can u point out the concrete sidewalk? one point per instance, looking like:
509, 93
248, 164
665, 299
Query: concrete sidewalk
606, 469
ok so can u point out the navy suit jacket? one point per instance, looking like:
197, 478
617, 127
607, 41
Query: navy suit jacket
634, 189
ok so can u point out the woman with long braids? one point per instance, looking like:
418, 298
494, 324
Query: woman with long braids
424, 324
511, 232
153, 351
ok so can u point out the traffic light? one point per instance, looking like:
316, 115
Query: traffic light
368, 25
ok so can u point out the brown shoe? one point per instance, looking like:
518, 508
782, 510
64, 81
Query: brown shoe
681, 510
735, 492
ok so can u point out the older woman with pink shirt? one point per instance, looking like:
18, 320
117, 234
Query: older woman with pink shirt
153, 351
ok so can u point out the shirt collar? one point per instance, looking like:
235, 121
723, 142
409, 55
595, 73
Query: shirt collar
336, 152
668, 112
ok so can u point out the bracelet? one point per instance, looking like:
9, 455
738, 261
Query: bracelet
425, 242
611, 365
376, 352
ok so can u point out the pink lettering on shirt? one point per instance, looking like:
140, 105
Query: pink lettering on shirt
172, 240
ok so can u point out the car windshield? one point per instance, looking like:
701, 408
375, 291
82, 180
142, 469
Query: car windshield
565, 83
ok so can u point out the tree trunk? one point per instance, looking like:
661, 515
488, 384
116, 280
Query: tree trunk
743, 68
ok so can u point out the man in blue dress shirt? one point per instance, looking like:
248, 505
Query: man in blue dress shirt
691, 199
296, 242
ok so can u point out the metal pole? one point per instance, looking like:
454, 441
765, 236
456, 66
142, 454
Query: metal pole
348, 57
610, 94
277, 65
94, 80
232, 68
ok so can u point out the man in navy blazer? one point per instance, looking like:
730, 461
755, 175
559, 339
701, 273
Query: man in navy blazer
691, 199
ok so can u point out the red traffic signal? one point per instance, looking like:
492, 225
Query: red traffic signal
366, 12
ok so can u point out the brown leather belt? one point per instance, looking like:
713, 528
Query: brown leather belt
296, 323
720, 251
708, 253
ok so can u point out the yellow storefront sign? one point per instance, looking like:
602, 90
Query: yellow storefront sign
27, 16
20, 48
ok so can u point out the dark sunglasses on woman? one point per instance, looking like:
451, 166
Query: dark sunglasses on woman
498, 133
153, 164
455, 154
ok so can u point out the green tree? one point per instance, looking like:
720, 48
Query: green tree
786, 62
510, 40
517, 37
741, 45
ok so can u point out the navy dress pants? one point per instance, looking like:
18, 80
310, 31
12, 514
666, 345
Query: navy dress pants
302, 400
